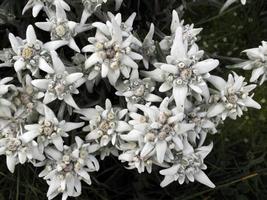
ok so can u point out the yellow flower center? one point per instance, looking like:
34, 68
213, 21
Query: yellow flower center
27, 53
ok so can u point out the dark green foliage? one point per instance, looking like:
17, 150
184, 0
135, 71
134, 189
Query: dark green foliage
237, 164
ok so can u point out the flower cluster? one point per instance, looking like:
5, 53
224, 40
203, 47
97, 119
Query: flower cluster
160, 110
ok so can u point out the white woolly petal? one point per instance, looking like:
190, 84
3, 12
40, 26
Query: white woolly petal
256, 73
205, 66
30, 35
19, 65
180, 93
29, 136
215, 110
71, 78
43, 65
46, 26
161, 147
41, 83
11, 162
123, 126
201, 177
70, 101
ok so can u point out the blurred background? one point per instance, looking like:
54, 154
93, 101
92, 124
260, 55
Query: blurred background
238, 163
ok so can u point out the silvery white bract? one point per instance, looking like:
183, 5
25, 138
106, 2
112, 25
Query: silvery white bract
105, 125
31, 53
183, 72
49, 130
232, 98
188, 167
38, 5
60, 84
257, 63
61, 29
158, 131
112, 52
228, 3
65, 171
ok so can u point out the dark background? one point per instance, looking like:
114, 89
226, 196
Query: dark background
237, 164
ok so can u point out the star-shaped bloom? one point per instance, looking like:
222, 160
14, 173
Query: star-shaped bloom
112, 52
232, 98
67, 169
17, 151
183, 72
188, 167
38, 5
49, 130
257, 63
158, 130
59, 85
61, 29
105, 124
31, 53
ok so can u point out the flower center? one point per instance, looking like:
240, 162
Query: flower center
27, 53
13, 144
232, 98
60, 30
47, 128
186, 74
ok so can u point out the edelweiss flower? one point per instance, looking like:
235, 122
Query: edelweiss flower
158, 130
17, 151
137, 91
31, 53
38, 5
183, 73
61, 29
228, 3
104, 124
232, 97
66, 170
257, 63
49, 130
188, 167
112, 52
189, 33
59, 85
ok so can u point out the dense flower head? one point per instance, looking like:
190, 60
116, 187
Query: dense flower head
112, 51
158, 109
